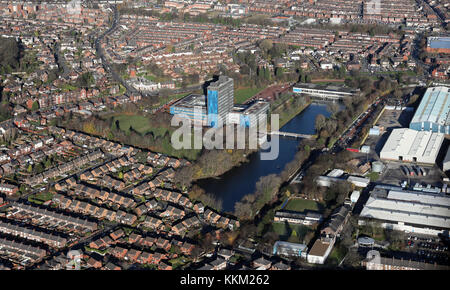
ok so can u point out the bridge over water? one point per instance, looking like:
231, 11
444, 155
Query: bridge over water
289, 134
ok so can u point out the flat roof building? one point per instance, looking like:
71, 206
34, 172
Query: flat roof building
409, 210
187, 105
289, 249
334, 92
374, 261
220, 100
412, 146
206, 109
438, 44
433, 111
319, 252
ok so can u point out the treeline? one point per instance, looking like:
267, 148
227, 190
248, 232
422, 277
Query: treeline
10, 54
211, 163
200, 18
371, 29
158, 140
329, 128
208, 199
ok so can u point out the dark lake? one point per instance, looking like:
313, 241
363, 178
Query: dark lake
239, 181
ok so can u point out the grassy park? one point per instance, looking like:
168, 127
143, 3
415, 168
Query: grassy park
243, 94
300, 205
139, 123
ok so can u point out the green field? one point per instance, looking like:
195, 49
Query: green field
373, 176
144, 125
301, 205
40, 197
285, 230
242, 95
139, 123
337, 254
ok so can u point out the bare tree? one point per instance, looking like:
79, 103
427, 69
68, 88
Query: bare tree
320, 122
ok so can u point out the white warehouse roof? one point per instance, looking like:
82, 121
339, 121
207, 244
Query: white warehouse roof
411, 207
411, 145
434, 107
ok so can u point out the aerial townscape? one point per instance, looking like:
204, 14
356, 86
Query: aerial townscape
346, 101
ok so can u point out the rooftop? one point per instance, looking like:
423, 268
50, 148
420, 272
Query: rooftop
434, 107
330, 88
439, 42
319, 248
405, 141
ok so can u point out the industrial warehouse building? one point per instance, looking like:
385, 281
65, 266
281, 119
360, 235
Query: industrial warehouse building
433, 111
409, 211
412, 146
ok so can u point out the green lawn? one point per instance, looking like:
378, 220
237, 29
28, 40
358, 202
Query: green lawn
336, 255
144, 125
373, 176
139, 123
177, 262
43, 196
300, 205
242, 95
285, 231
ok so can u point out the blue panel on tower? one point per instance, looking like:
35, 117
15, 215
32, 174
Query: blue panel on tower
212, 108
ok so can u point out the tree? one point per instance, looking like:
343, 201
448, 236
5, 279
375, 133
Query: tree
320, 122
266, 45
398, 93
294, 237
35, 106
342, 71
48, 163
279, 71
271, 237
267, 73
333, 108
85, 80
10, 53
243, 210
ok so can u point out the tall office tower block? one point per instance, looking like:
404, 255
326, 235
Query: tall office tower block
220, 100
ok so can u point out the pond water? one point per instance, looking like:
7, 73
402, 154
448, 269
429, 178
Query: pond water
239, 181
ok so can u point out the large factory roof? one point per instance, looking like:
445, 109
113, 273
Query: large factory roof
434, 107
410, 207
408, 142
